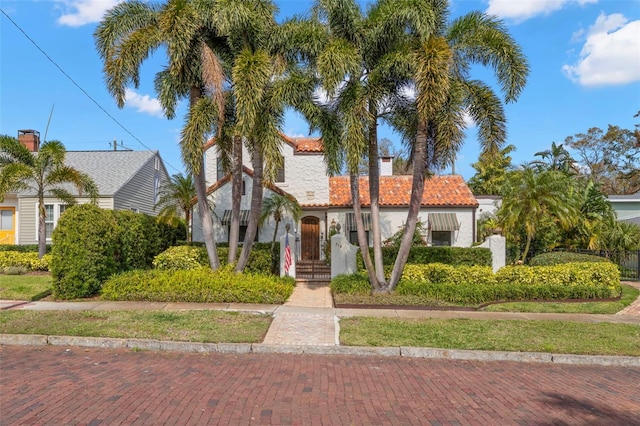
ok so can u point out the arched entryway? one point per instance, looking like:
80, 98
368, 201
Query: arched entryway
310, 238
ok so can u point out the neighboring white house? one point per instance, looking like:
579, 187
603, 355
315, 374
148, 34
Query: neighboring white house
627, 207
126, 180
448, 207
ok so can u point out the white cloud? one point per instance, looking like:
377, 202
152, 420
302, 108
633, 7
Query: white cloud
143, 103
522, 10
81, 12
610, 55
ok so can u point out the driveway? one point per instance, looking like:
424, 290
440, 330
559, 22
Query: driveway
88, 386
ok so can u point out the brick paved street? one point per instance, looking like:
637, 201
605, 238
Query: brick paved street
58, 385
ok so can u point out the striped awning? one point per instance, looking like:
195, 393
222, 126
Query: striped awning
443, 222
350, 224
244, 217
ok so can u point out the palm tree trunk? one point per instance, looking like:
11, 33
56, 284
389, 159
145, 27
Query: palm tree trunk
201, 194
187, 215
374, 193
236, 198
417, 189
274, 266
354, 180
256, 208
527, 246
42, 230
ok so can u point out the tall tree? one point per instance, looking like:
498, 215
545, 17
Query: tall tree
43, 172
196, 45
440, 61
556, 158
611, 158
491, 172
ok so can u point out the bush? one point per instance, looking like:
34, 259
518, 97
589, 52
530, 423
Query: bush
13, 270
181, 258
84, 251
456, 256
27, 260
198, 285
476, 284
560, 257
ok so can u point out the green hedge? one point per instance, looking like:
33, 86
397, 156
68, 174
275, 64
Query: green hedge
26, 260
476, 285
23, 248
193, 257
91, 244
198, 285
560, 257
456, 256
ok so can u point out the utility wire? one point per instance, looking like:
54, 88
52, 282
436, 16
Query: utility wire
79, 87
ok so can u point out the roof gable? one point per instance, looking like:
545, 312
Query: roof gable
439, 191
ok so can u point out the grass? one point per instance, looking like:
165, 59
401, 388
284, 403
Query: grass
629, 294
188, 326
496, 335
24, 287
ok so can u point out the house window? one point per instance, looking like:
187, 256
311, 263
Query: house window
6, 220
219, 169
244, 187
156, 163
156, 188
242, 231
353, 237
441, 238
49, 222
280, 174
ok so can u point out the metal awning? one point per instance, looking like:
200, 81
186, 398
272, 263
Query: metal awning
443, 222
244, 217
350, 224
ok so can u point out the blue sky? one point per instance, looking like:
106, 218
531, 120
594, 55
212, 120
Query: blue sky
584, 57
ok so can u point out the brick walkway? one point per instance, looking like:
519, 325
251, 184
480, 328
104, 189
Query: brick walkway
634, 308
55, 385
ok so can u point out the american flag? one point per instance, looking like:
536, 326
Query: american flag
287, 254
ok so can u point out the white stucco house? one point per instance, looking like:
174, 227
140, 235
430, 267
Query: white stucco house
126, 180
448, 207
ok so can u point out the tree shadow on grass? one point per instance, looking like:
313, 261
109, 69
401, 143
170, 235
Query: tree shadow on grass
584, 412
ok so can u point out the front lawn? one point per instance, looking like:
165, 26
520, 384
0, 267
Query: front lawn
187, 326
494, 335
24, 287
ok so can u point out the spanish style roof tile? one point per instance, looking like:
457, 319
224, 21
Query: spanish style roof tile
439, 191
300, 145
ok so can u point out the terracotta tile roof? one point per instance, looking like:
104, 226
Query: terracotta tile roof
300, 145
439, 191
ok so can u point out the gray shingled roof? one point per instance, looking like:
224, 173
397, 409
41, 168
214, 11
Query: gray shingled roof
110, 170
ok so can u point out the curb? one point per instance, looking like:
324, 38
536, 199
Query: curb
260, 348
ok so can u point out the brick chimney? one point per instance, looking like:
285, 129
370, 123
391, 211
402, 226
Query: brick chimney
30, 139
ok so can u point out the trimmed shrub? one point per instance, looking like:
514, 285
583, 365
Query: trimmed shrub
198, 285
181, 258
13, 270
456, 256
560, 257
27, 260
476, 285
22, 248
84, 251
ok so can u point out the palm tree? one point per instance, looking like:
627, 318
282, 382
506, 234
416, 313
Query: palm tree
175, 200
190, 30
279, 206
555, 158
44, 173
530, 197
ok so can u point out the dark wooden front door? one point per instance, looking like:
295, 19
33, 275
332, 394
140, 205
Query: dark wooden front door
310, 238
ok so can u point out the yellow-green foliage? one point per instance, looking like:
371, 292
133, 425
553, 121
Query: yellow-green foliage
198, 285
26, 260
181, 257
478, 284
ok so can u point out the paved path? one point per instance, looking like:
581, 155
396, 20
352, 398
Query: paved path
87, 386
